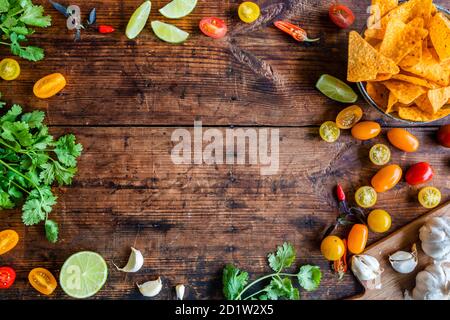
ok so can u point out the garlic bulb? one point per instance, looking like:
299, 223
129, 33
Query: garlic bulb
433, 283
135, 262
180, 289
435, 236
151, 288
404, 262
365, 267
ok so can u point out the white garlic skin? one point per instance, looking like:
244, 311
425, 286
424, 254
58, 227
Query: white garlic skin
403, 262
435, 237
433, 283
365, 267
151, 288
135, 262
180, 289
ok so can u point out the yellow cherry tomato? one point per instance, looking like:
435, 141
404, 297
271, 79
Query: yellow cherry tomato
387, 178
380, 154
49, 85
329, 131
8, 240
366, 197
379, 221
332, 248
366, 130
348, 117
42, 280
430, 197
9, 69
357, 238
403, 140
249, 11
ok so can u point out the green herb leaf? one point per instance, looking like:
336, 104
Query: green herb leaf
33, 119
34, 16
5, 201
4, 6
12, 114
282, 288
67, 150
283, 258
309, 277
234, 281
51, 231
32, 212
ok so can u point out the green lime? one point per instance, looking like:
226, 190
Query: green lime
335, 89
168, 32
138, 20
178, 8
83, 274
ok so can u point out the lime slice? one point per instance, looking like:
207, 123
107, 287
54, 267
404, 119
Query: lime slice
178, 8
335, 89
83, 274
138, 20
168, 32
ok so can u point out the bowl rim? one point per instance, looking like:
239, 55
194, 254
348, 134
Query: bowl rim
373, 104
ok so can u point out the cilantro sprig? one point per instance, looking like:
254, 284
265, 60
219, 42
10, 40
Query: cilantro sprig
236, 286
30, 162
17, 19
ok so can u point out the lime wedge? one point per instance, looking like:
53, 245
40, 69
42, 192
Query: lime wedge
138, 20
178, 8
168, 32
83, 274
335, 89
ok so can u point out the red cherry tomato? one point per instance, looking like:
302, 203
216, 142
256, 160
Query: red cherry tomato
341, 15
213, 27
444, 136
7, 277
419, 173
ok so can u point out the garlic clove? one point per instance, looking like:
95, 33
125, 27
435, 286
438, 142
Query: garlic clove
365, 267
404, 262
151, 288
135, 262
180, 289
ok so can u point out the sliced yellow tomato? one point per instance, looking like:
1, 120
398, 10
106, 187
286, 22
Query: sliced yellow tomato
329, 131
348, 117
49, 85
380, 154
42, 280
366, 197
249, 11
430, 197
8, 240
9, 69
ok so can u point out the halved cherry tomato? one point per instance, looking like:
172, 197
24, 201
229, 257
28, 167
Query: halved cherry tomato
379, 221
42, 280
332, 248
419, 173
348, 117
366, 197
8, 240
9, 69
213, 27
387, 178
7, 277
249, 11
444, 136
380, 154
329, 131
403, 140
366, 130
341, 15
357, 238
49, 85
429, 197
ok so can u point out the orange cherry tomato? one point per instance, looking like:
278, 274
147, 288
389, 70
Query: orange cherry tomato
332, 248
42, 280
403, 140
8, 240
357, 238
387, 178
348, 117
366, 130
49, 85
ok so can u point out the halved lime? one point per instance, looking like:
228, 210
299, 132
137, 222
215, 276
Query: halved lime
138, 20
168, 32
335, 89
178, 8
83, 274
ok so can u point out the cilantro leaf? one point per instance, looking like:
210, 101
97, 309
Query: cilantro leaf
283, 258
309, 277
5, 201
4, 6
32, 212
12, 114
281, 288
51, 231
17, 131
29, 53
33, 119
234, 281
34, 16
67, 150
47, 175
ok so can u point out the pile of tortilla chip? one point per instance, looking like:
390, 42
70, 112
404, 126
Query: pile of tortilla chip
404, 58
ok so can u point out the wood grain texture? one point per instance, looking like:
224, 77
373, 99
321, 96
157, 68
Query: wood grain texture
124, 99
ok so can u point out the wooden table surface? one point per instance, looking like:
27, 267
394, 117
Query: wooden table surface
125, 98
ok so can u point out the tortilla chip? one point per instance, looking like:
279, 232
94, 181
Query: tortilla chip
364, 62
378, 93
414, 80
433, 100
440, 35
434, 10
391, 102
415, 114
379, 9
404, 91
400, 39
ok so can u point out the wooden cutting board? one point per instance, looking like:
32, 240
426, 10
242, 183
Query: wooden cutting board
393, 284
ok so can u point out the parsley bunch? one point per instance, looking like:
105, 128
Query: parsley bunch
30, 162
235, 281
17, 17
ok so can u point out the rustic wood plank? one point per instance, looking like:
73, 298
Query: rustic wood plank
190, 221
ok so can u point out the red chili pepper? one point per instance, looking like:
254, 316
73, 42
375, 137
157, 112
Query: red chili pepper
340, 266
106, 29
340, 193
295, 31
